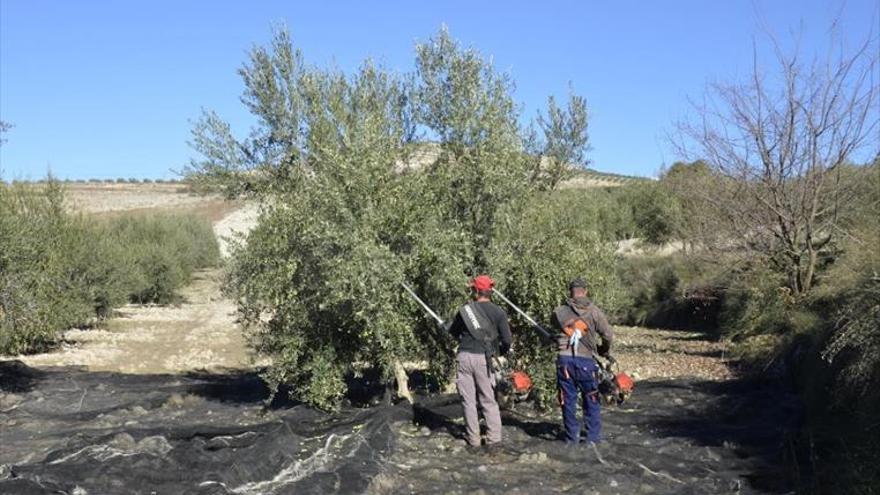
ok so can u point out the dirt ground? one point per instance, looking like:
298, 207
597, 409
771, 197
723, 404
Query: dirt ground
648, 353
103, 198
71, 431
239, 221
167, 400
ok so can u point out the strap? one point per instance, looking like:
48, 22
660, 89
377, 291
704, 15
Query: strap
583, 318
570, 324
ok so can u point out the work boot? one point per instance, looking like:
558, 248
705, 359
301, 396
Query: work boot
473, 449
493, 449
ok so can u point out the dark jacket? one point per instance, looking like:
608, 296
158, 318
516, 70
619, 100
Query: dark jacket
598, 325
468, 343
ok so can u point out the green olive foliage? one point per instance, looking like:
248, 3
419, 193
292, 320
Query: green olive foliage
354, 202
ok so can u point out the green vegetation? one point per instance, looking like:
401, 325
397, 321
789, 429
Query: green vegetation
59, 270
535, 253
774, 230
779, 233
826, 340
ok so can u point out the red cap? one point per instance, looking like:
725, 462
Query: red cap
483, 283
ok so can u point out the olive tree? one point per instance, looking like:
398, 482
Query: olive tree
542, 245
560, 148
351, 206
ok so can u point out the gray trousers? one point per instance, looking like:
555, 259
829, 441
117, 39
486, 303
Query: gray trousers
477, 387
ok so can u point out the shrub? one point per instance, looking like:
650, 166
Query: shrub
671, 292
41, 289
838, 376
655, 213
162, 252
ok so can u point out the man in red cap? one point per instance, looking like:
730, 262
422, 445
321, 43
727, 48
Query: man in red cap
482, 331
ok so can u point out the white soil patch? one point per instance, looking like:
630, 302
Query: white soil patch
235, 225
636, 248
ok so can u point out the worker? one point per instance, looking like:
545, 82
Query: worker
584, 333
483, 332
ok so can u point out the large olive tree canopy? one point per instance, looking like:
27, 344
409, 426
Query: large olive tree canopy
373, 178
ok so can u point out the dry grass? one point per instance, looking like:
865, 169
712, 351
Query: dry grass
109, 200
102, 198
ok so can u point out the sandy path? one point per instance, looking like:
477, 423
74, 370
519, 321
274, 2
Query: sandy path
198, 334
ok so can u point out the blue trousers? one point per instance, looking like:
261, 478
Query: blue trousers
579, 376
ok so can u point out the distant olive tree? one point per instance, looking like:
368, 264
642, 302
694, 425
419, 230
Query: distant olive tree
560, 147
777, 144
690, 184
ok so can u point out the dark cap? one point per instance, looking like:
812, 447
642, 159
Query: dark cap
577, 283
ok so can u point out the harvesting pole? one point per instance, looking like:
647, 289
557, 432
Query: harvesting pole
422, 303
544, 333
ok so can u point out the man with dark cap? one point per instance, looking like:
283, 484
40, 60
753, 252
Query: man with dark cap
479, 326
581, 325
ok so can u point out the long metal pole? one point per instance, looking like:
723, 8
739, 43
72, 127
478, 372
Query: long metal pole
534, 323
422, 303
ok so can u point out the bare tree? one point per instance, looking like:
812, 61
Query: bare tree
4, 128
777, 146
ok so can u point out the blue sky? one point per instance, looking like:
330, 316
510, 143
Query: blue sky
109, 89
